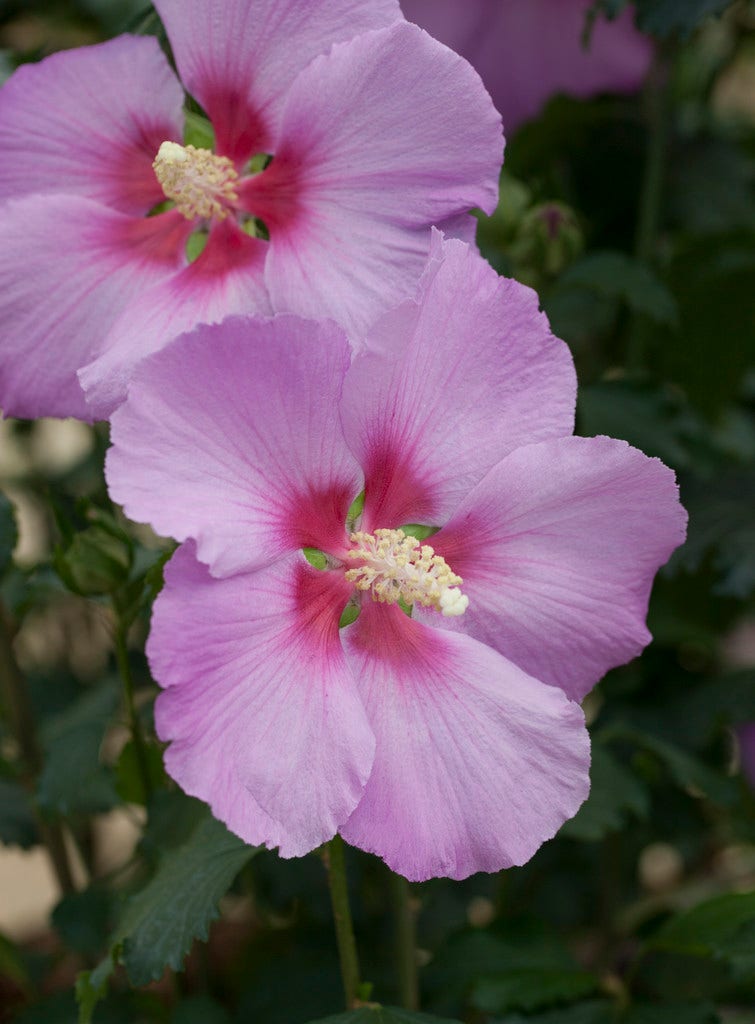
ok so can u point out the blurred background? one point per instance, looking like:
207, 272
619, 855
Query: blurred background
627, 201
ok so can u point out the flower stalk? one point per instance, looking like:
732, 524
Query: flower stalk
406, 941
135, 725
335, 863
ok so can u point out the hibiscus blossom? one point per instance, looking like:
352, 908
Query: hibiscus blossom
529, 51
447, 741
375, 131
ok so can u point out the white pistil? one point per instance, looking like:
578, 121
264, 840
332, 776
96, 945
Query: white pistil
396, 567
200, 183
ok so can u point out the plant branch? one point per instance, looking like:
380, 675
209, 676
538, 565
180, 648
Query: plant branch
335, 864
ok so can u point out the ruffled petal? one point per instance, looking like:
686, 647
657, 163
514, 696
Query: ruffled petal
226, 278
89, 122
229, 436
68, 266
239, 57
528, 52
381, 138
476, 763
449, 385
260, 709
558, 547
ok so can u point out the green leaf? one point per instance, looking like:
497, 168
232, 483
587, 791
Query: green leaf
667, 17
315, 557
524, 967
673, 1013
128, 772
160, 922
592, 1012
96, 561
713, 928
8, 533
721, 524
687, 771
12, 965
82, 919
615, 794
73, 779
172, 818
17, 825
200, 1010
653, 420
376, 1014
618, 276
198, 131
91, 987
532, 989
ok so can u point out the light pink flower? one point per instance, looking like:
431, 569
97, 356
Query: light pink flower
529, 50
376, 133
448, 742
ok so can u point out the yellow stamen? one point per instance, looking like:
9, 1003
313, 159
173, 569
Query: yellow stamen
396, 567
200, 183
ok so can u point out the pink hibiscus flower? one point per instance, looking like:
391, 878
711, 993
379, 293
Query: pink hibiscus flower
447, 742
529, 51
376, 132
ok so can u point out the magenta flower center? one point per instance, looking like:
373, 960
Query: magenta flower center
395, 567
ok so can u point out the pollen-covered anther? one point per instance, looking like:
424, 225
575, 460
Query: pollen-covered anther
200, 183
396, 567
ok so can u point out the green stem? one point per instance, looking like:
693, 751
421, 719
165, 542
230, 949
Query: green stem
406, 942
25, 733
137, 735
339, 897
657, 116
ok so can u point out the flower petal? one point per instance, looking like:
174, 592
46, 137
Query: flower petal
89, 122
558, 547
528, 52
86, 262
226, 278
260, 708
229, 436
476, 763
451, 384
381, 138
239, 57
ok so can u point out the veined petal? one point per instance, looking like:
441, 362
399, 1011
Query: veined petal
449, 385
348, 195
260, 709
476, 763
86, 262
239, 57
89, 122
230, 436
226, 278
558, 547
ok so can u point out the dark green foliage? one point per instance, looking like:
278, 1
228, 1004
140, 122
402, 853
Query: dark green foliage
382, 1015
665, 17
616, 797
8, 533
17, 825
74, 779
159, 923
617, 276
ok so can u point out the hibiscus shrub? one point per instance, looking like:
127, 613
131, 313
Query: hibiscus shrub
354, 556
